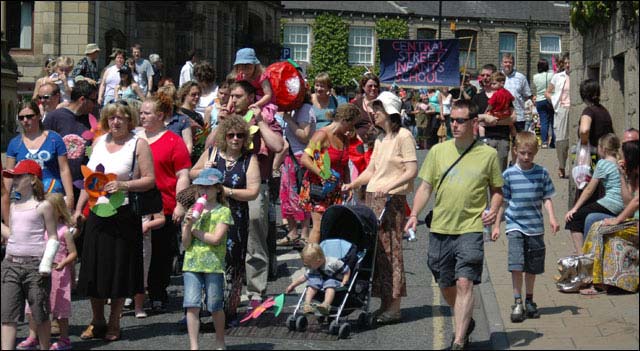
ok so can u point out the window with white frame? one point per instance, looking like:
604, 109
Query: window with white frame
468, 45
296, 38
19, 32
361, 45
550, 46
507, 45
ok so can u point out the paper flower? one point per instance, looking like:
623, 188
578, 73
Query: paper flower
101, 202
75, 146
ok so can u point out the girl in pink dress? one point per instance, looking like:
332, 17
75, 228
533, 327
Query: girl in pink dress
61, 275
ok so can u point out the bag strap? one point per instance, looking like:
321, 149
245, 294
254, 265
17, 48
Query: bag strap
292, 155
133, 163
453, 165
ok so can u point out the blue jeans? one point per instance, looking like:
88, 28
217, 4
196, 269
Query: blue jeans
196, 282
593, 218
545, 111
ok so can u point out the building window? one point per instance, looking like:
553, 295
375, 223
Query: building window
19, 24
507, 45
296, 38
465, 40
426, 33
549, 47
361, 45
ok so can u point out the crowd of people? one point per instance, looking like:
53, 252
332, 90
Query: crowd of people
95, 138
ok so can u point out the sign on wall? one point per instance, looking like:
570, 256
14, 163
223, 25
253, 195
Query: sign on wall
420, 62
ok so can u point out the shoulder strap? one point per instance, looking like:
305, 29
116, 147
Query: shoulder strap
133, 164
453, 165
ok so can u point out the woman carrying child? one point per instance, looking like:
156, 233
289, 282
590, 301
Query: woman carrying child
27, 265
204, 237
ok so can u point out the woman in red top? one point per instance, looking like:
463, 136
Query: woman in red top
334, 141
171, 163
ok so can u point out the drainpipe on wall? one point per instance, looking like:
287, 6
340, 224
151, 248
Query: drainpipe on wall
96, 22
59, 29
528, 27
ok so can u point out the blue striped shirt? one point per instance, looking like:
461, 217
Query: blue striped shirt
525, 191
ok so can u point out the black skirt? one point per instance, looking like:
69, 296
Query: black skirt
111, 264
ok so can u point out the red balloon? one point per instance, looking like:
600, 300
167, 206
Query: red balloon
287, 84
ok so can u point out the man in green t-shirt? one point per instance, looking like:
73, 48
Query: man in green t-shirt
456, 250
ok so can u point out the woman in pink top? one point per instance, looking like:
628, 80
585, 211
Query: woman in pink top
390, 175
23, 274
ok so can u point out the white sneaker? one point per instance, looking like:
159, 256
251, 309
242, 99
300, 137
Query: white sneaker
128, 302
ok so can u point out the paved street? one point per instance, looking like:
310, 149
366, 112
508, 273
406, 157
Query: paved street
568, 321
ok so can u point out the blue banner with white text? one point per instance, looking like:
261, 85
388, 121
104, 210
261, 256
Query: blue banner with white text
420, 62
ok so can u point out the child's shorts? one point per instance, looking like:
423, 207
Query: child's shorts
316, 282
196, 282
20, 281
526, 253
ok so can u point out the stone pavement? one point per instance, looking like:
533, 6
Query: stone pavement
567, 321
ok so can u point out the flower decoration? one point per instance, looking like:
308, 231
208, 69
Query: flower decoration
322, 159
101, 202
75, 146
253, 129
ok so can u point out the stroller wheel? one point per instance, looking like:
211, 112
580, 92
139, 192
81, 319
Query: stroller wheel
301, 323
334, 327
291, 323
371, 321
344, 331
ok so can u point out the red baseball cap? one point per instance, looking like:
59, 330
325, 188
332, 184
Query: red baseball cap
24, 167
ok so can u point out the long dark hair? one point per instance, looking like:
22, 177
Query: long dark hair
630, 153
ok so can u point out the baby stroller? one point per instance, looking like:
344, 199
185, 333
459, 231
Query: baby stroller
349, 233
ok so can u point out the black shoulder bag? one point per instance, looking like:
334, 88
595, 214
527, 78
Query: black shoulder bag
144, 202
299, 170
429, 216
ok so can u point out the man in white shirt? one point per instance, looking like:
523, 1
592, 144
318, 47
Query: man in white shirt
186, 73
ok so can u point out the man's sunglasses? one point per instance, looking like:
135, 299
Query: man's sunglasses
460, 120
45, 97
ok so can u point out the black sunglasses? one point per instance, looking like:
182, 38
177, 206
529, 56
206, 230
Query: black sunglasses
21, 118
460, 120
236, 135
45, 97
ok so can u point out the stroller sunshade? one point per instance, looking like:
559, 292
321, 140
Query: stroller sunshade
356, 224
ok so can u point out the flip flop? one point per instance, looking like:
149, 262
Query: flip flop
592, 291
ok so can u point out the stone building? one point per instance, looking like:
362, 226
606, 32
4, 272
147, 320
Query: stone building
608, 53
40, 29
528, 29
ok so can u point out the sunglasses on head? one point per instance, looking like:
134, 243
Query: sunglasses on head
30, 116
235, 135
119, 102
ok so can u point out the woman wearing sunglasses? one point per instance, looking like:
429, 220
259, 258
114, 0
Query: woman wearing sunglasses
231, 155
45, 147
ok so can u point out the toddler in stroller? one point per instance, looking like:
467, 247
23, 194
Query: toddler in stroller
323, 274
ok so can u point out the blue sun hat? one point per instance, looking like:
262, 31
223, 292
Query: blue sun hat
209, 176
246, 56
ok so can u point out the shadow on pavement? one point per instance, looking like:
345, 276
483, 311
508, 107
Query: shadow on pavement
575, 310
521, 338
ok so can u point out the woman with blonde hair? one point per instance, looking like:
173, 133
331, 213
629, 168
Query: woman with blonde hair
111, 263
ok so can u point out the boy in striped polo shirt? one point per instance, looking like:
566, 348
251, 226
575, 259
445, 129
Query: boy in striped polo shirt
527, 186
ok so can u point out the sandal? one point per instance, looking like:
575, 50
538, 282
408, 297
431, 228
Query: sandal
287, 241
94, 331
591, 291
561, 173
113, 334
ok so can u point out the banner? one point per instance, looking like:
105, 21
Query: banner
420, 62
